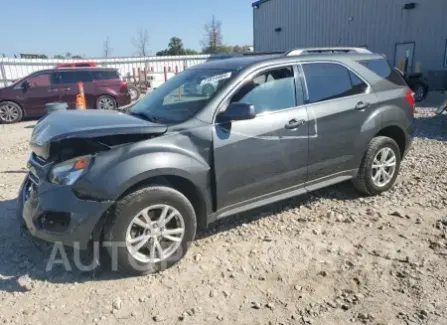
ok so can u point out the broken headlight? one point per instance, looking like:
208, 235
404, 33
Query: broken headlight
68, 172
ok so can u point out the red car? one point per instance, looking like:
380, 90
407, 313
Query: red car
103, 88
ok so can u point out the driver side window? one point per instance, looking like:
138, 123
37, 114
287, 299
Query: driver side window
269, 91
40, 80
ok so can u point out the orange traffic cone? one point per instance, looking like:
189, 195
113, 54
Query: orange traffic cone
80, 98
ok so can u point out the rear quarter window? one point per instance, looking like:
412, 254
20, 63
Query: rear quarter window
383, 69
105, 74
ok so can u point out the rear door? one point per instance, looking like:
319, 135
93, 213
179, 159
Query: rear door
339, 102
66, 84
264, 156
106, 80
38, 94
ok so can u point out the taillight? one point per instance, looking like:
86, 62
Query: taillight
409, 96
123, 86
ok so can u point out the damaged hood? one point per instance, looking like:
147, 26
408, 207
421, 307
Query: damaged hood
73, 124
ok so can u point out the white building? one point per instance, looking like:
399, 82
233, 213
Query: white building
390, 27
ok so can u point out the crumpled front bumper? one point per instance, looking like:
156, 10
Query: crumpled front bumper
37, 199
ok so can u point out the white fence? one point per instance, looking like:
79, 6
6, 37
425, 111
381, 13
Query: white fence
12, 69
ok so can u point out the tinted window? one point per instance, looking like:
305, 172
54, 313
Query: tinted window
358, 85
41, 80
383, 69
105, 74
269, 91
327, 81
70, 77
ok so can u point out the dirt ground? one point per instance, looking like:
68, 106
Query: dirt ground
330, 257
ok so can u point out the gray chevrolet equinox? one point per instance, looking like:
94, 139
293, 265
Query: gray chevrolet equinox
268, 128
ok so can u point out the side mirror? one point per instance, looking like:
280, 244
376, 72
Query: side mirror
25, 85
239, 111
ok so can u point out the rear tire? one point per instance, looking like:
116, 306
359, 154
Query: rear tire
379, 167
134, 92
106, 102
10, 112
127, 231
420, 93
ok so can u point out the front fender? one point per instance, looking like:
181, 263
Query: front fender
115, 171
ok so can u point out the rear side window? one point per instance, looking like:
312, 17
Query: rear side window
383, 69
105, 74
327, 81
71, 77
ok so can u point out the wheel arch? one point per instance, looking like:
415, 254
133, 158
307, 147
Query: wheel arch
17, 103
397, 134
182, 184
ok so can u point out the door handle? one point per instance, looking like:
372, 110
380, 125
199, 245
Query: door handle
53, 90
361, 105
294, 124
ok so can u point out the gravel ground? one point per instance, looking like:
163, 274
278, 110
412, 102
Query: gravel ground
330, 257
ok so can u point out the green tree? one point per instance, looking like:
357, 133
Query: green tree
175, 47
59, 56
191, 52
77, 57
162, 53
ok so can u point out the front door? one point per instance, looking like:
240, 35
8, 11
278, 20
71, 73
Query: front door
268, 154
404, 50
339, 103
37, 94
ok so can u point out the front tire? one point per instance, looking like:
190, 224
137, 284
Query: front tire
10, 112
151, 230
379, 167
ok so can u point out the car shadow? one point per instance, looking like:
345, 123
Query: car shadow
431, 127
22, 258
341, 192
433, 100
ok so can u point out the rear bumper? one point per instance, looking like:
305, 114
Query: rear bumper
82, 216
123, 99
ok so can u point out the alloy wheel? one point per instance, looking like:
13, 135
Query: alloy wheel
9, 113
106, 103
419, 93
155, 233
383, 167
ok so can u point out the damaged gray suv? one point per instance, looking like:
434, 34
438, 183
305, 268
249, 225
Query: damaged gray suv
273, 127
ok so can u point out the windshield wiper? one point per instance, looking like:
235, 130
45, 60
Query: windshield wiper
146, 117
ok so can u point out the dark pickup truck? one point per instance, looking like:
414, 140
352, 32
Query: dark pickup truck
274, 127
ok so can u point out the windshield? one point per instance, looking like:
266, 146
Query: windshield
182, 96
